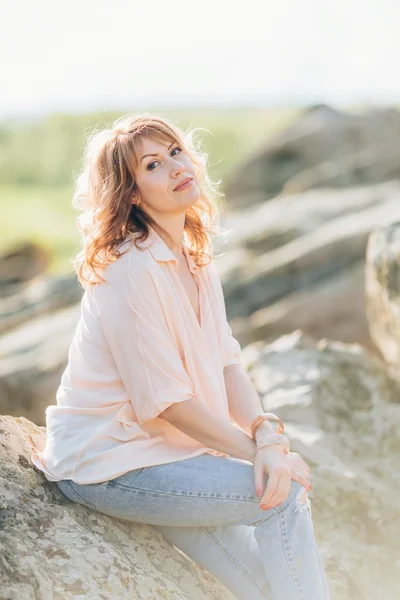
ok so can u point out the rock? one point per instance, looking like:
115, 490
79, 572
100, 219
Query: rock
272, 224
41, 295
21, 263
333, 308
33, 358
297, 262
341, 411
383, 291
322, 148
53, 548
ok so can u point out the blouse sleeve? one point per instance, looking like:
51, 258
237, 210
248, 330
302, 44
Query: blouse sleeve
135, 328
234, 349
231, 347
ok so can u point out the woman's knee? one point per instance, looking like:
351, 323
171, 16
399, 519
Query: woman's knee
297, 495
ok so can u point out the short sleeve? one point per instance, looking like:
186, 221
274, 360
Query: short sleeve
234, 349
135, 328
231, 346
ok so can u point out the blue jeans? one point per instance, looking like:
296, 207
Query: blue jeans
207, 507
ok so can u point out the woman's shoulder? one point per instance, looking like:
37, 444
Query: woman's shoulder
127, 271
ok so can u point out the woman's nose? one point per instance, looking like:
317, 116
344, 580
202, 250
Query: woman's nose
177, 165
177, 170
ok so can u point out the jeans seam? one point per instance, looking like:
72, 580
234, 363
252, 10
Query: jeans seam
194, 495
234, 559
81, 497
288, 552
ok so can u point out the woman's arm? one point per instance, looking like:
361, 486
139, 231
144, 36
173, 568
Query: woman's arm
243, 400
196, 420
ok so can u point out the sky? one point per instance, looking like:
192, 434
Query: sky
81, 55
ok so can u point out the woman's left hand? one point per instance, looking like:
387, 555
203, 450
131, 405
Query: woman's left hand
299, 469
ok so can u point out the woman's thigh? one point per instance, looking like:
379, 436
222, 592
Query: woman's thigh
201, 491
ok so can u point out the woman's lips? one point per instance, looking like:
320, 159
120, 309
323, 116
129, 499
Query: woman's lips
184, 185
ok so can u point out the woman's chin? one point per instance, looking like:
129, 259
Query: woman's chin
191, 196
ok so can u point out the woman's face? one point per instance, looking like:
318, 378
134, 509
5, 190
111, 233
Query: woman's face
158, 175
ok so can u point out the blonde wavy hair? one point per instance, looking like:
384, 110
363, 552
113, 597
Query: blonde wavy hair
106, 184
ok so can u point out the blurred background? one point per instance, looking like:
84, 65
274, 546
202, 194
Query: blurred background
298, 105
241, 74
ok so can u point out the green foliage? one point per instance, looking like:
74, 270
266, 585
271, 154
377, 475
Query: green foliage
43, 215
48, 152
40, 160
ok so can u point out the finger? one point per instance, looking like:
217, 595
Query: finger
300, 473
300, 466
259, 470
282, 482
305, 466
301, 478
281, 493
298, 463
271, 487
265, 503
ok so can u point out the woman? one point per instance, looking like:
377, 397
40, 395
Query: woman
156, 419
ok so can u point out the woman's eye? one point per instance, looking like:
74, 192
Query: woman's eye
149, 166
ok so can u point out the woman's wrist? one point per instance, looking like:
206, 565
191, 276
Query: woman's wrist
265, 435
263, 429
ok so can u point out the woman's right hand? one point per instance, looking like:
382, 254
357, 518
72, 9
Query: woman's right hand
272, 460
299, 471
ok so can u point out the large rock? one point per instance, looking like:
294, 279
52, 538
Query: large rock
33, 358
383, 292
333, 308
322, 148
342, 414
53, 549
298, 262
41, 295
21, 263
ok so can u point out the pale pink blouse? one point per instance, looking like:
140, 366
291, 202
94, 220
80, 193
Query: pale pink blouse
138, 348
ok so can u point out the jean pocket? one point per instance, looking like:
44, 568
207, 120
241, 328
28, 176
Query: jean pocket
77, 493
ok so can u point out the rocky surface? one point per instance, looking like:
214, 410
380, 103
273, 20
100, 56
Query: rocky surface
383, 292
33, 358
322, 148
298, 262
53, 549
341, 412
38, 315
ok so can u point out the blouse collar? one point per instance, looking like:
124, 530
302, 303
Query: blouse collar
160, 251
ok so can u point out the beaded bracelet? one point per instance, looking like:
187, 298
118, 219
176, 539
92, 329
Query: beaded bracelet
272, 439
